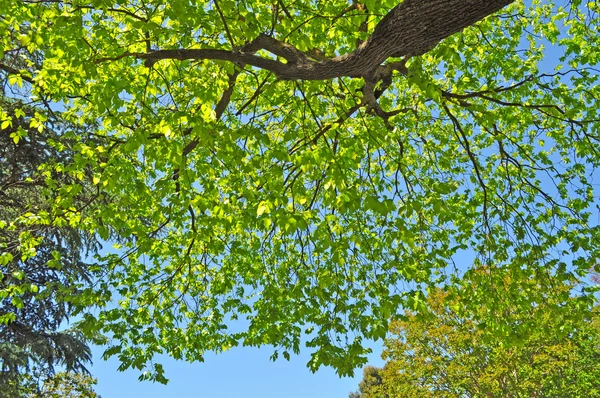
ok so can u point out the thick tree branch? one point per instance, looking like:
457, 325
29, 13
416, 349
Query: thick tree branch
411, 28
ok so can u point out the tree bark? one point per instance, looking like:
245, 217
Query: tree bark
411, 28
416, 26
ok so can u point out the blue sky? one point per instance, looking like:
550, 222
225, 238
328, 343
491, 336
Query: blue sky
240, 372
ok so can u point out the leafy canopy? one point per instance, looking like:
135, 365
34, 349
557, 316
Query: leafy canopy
41, 263
450, 353
67, 385
259, 210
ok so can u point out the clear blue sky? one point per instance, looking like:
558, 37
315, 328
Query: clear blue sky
239, 373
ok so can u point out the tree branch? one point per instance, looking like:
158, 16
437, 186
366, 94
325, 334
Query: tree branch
411, 28
12, 71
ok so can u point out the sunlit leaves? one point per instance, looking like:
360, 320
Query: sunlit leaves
454, 349
255, 211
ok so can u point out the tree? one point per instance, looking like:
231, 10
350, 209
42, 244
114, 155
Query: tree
310, 167
67, 385
450, 353
372, 381
41, 254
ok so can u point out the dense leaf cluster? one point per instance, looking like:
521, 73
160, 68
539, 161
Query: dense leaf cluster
450, 353
42, 267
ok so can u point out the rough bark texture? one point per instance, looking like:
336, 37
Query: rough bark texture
411, 28
415, 26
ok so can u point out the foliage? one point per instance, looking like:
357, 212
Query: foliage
258, 209
450, 353
372, 381
41, 254
67, 385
